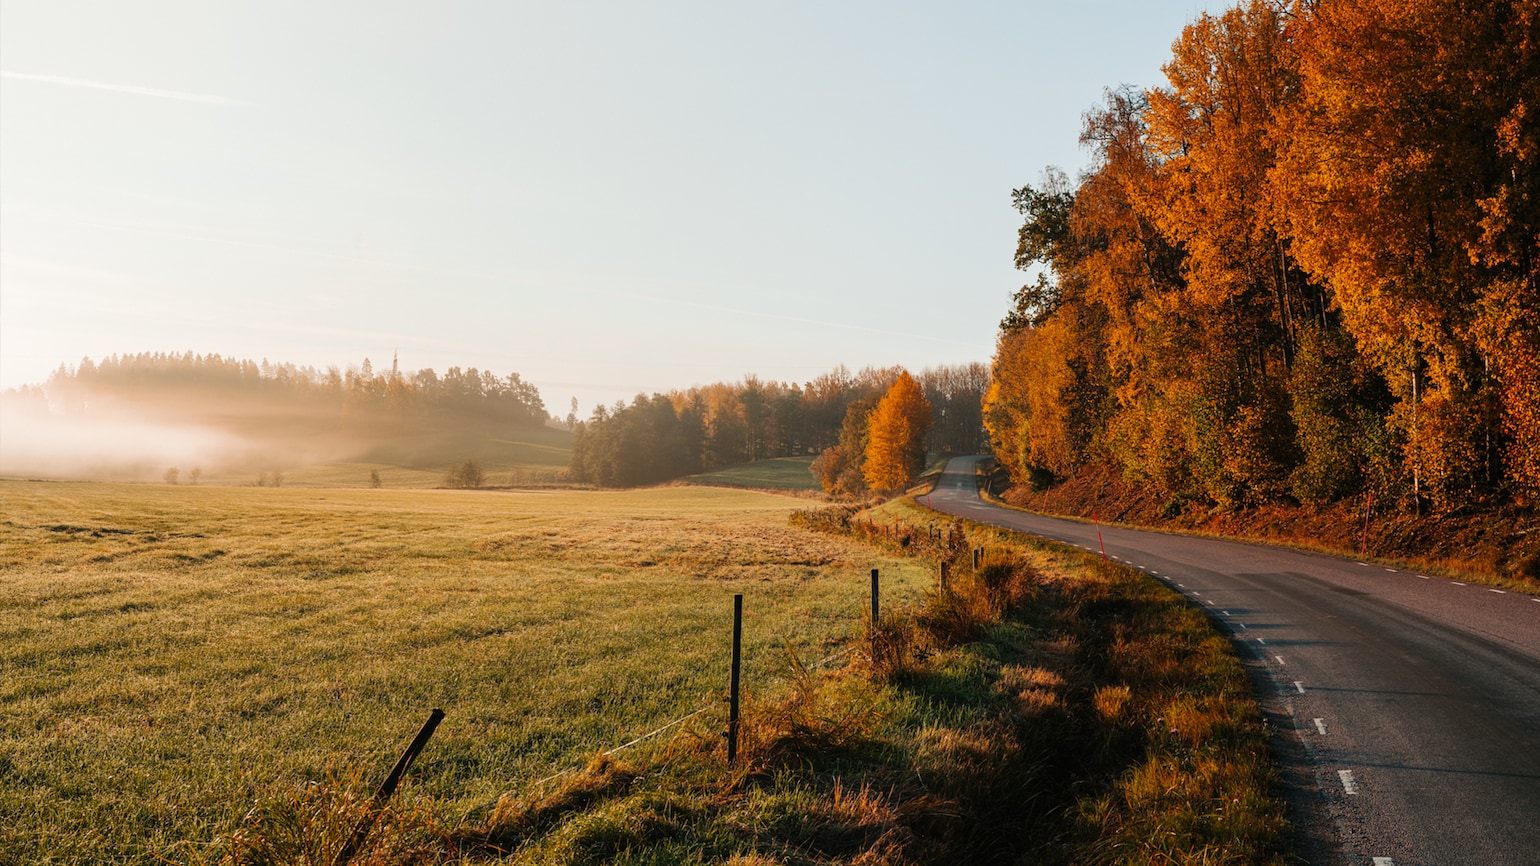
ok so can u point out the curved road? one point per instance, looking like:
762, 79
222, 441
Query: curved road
1409, 706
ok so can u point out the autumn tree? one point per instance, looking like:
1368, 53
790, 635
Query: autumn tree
839, 467
1235, 310
1409, 182
895, 449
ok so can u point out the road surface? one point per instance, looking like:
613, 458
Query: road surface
1408, 705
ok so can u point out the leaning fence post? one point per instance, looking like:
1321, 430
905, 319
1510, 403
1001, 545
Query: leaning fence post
387, 788
978, 552
945, 568
732, 693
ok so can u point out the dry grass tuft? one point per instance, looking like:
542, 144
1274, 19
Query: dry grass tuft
752, 860
515, 817
815, 717
311, 825
1110, 702
892, 654
1033, 690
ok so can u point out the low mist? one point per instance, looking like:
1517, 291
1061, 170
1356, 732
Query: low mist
120, 443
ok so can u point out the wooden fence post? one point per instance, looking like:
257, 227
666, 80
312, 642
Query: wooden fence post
874, 616
732, 693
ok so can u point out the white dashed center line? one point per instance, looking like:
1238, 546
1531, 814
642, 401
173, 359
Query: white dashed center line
1299, 685
1457, 583
1384, 861
1349, 786
1320, 725
1279, 658
1499, 591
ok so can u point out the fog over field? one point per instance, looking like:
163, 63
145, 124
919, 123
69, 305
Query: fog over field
120, 441
135, 417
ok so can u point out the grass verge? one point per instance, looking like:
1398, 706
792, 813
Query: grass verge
1496, 546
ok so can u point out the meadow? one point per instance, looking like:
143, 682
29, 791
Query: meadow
776, 473
509, 458
173, 656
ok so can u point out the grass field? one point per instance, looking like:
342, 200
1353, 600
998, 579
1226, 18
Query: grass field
778, 473
173, 655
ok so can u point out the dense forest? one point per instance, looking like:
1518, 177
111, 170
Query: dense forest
246, 396
664, 436
1306, 269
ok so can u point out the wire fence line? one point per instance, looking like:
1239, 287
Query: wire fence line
935, 537
682, 719
647, 736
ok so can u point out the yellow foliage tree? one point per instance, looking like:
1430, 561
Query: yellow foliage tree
895, 447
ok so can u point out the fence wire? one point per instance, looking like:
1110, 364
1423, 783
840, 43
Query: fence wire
682, 719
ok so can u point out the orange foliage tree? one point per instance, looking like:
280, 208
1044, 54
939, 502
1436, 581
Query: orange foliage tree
1307, 267
896, 430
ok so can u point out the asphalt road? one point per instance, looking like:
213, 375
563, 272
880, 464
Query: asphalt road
1408, 706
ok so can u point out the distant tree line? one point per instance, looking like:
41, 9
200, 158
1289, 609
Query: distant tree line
664, 436
1306, 269
236, 393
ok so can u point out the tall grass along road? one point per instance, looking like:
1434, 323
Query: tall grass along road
1414, 701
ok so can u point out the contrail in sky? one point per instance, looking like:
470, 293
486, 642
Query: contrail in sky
183, 96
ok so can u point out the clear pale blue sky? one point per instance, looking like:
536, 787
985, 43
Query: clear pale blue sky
606, 198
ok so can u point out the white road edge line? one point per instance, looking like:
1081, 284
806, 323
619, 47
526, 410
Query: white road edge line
1320, 725
1349, 786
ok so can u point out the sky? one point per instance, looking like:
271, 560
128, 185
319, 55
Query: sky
607, 198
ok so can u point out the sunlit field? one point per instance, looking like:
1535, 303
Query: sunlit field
172, 655
778, 473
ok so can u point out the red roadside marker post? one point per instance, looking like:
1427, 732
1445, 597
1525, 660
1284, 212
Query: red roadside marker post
1099, 541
